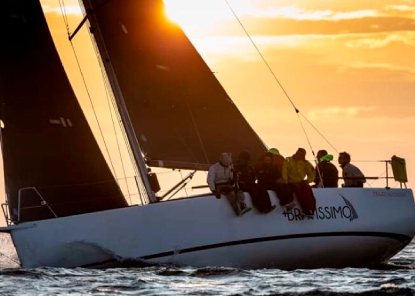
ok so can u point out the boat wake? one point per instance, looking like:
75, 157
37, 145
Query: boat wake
8, 255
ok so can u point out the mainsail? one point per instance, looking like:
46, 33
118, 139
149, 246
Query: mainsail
182, 116
47, 143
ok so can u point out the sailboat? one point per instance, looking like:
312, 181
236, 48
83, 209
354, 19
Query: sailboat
64, 207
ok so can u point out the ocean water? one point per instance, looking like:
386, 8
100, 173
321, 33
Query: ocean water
395, 278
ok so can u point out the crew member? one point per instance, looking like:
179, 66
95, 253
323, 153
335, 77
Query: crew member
327, 174
283, 190
266, 174
246, 173
353, 177
221, 181
297, 169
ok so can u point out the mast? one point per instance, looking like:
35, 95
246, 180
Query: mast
119, 99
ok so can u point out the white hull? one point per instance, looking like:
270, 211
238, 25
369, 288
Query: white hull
365, 226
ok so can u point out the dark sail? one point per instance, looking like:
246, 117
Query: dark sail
47, 143
182, 116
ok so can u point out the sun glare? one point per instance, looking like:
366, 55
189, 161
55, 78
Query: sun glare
194, 15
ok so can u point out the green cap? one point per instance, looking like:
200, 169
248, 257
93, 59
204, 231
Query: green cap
327, 157
274, 151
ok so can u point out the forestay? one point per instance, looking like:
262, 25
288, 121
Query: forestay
47, 143
182, 116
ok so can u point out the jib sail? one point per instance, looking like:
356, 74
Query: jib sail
48, 147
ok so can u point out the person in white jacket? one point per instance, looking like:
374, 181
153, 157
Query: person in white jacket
352, 175
221, 180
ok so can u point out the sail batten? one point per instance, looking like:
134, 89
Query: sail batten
182, 116
47, 143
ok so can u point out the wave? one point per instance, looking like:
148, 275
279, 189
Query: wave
392, 291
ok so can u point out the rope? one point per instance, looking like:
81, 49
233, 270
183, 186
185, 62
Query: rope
93, 109
311, 147
380, 176
262, 57
184, 187
306, 135
278, 81
10, 258
327, 141
118, 143
110, 99
63, 12
112, 117
139, 184
86, 86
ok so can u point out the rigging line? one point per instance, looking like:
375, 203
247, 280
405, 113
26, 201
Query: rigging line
309, 122
309, 143
116, 135
10, 258
123, 132
118, 147
262, 57
381, 175
306, 136
311, 147
141, 191
93, 109
273, 73
185, 190
110, 98
64, 16
168, 172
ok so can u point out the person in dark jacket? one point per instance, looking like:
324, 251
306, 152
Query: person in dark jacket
327, 174
282, 188
245, 173
266, 174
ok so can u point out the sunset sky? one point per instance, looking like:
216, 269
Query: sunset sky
348, 65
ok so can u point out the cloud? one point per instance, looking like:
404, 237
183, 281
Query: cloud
400, 7
284, 26
338, 112
297, 13
328, 15
382, 40
382, 66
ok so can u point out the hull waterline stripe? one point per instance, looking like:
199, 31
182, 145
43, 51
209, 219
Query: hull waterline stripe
400, 237
404, 239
